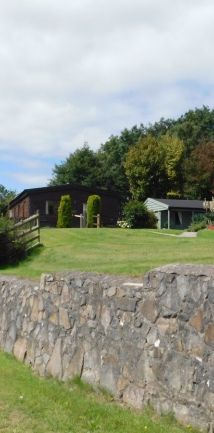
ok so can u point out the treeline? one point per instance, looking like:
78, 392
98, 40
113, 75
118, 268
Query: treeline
170, 158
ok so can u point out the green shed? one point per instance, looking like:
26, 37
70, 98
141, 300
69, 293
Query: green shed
174, 214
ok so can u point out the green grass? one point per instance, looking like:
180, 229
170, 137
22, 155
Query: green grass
115, 251
36, 405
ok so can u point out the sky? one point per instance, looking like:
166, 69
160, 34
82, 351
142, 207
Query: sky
76, 71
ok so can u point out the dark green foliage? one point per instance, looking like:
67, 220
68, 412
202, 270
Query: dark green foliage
5, 197
5, 224
201, 221
160, 128
81, 168
194, 127
163, 166
64, 212
137, 215
12, 249
93, 208
112, 156
103, 168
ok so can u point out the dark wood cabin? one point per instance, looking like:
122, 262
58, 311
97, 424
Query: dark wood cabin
46, 200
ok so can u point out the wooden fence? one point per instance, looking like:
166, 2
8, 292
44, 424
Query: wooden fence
29, 231
83, 220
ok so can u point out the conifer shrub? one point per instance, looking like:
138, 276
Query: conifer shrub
93, 208
64, 212
137, 215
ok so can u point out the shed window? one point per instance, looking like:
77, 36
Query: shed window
49, 207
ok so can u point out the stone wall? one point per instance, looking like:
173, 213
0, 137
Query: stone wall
146, 340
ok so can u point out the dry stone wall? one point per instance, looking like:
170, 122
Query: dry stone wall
146, 340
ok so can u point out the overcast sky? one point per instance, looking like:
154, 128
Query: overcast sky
73, 71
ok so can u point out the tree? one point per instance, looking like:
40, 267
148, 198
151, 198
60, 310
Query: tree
6, 196
112, 156
145, 169
173, 149
64, 212
93, 208
200, 172
194, 127
157, 170
81, 167
162, 127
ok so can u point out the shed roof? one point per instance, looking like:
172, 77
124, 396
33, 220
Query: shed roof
164, 203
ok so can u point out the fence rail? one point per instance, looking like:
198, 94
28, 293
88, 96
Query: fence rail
29, 231
83, 220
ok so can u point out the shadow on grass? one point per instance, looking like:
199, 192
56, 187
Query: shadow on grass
30, 255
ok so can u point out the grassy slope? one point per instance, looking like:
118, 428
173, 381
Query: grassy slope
34, 405
113, 251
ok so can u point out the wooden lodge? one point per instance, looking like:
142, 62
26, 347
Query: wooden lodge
46, 200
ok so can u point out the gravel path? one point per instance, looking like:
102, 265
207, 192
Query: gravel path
188, 235
182, 235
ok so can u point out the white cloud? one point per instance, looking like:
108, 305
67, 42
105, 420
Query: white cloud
80, 70
29, 180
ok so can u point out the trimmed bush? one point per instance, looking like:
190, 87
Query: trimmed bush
64, 212
12, 249
137, 215
93, 208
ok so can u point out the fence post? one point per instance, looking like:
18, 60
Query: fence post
38, 223
98, 221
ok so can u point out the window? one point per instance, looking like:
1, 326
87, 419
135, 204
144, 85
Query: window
49, 207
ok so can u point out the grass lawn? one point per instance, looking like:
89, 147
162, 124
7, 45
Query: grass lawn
35, 405
115, 251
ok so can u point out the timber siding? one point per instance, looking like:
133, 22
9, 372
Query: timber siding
46, 200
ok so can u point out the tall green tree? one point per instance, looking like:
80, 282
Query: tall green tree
153, 166
194, 127
6, 196
162, 167
81, 167
145, 169
112, 155
173, 149
162, 127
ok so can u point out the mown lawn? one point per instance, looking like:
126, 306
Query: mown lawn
115, 251
35, 405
